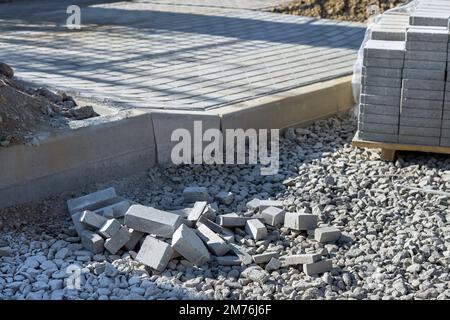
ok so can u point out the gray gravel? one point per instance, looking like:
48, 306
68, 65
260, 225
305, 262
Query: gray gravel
395, 243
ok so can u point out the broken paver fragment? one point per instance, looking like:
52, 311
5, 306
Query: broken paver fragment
317, 267
193, 194
152, 221
225, 197
155, 253
297, 259
92, 219
273, 216
255, 273
265, 257
6, 252
109, 228
116, 242
186, 242
241, 253
256, 229
196, 212
79, 227
327, 234
229, 261
92, 201
214, 242
92, 241
225, 233
300, 221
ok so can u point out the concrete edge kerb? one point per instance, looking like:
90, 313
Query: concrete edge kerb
132, 141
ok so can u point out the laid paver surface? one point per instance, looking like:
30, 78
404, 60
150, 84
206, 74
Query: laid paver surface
167, 55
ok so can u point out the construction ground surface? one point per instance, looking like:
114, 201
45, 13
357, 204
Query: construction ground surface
203, 58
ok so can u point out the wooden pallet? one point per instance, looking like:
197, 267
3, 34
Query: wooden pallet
388, 150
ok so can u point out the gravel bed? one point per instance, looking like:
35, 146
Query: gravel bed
395, 243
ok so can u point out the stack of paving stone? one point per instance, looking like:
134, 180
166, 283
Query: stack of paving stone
381, 90
423, 85
416, 54
153, 237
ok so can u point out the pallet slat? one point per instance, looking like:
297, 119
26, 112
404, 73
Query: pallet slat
388, 149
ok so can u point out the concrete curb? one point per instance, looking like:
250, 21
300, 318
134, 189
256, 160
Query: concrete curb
97, 150
128, 142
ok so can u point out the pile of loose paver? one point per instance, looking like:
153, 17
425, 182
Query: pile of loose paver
105, 221
405, 96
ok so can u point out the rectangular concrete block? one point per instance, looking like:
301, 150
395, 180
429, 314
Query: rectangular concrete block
424, 132
430, 46
379, 109
421, 113
231, 220
297, 259
265, 257
378, 127
384, 49
445, 142
166, 122
378, 137
224, 197
273, 216
378, 118
225, 233
446, 113
430, 20
118, 240
152, 221
256, 229
213, 241
92, 201
388, 33
424, 84
381, 82
420, 122
264, 204
253, 204
196, 212
300, 221
229, 261
135, 237
186, 242
116, 210
427, 34
381, 90
426, 55
109, 228
379, 100
92, 219
421, 103
193, 194
79, 227
92, 241
423, 94
383, 72
425, 64
383, 63
327, 235
424, 74
317, 267
419, 140
445, 124
445, 133
155, 253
